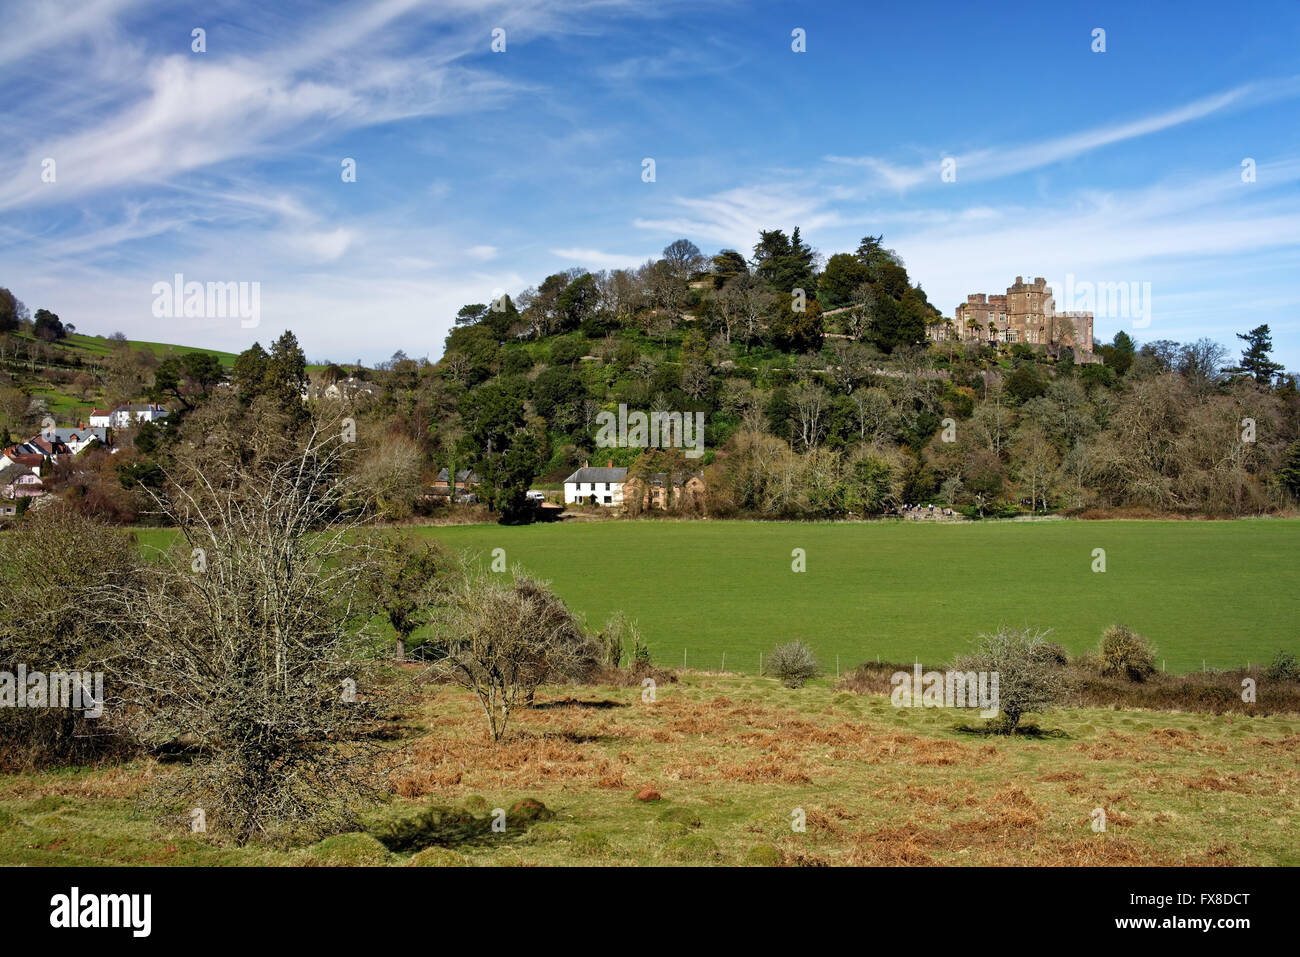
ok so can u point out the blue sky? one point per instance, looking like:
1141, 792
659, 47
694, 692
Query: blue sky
479, 171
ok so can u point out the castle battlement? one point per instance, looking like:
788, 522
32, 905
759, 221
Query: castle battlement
1025, 313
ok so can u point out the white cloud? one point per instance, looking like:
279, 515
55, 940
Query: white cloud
997, 162
597, 259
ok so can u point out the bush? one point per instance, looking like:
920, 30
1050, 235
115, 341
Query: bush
1027, 679
1125, 652
1284, 667
793, 663
614, 639
1054, 653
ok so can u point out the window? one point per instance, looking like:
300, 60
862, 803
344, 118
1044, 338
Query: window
608, 499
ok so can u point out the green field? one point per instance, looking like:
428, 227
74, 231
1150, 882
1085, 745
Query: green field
1223, 592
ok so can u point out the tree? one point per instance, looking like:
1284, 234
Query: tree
389, 472
798, 330
1255, 361
48, 326
1123, 350
504, 639
54, 568
249, 372
697, 369
11, 311
741, 306
684, 259
784, 262
1289, 474
726, 265
242, 639
577, 302
1201, 363
470, 314
840, 280
405, 581
1028, 678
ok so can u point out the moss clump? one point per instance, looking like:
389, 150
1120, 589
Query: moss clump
693, 848
680, 815
349, 850
438, 857
763, 855
590, 844
529, 811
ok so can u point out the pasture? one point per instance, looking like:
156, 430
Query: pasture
1225, 593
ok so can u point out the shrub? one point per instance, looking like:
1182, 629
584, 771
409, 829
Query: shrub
1027, 680
506, 639
793, 664
1054, 653
640, 652
618, 633
1125, 652
1284, 667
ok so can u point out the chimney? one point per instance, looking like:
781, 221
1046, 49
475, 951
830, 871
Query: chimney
611, 464
586, 464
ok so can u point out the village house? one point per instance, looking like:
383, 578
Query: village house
125, 416
595, 486
654, 491
466, 481
20, 481
349, 390
78, 438
101, 418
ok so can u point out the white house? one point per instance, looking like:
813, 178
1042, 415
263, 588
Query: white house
125, 416
77, 439
101, 418
601, 486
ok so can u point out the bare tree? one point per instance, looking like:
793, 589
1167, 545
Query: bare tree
503, 640
243, 644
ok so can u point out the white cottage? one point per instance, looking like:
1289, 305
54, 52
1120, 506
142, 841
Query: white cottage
595, 486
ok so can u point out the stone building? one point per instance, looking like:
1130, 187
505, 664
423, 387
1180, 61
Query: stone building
1025, 313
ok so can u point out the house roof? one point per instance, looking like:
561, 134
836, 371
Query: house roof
65, 434
99, 412
587, 474
31, 460
462, 475
659, 478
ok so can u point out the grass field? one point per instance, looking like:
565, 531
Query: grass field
1223, 592
732, 758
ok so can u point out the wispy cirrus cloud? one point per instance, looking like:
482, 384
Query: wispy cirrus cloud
997, 162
